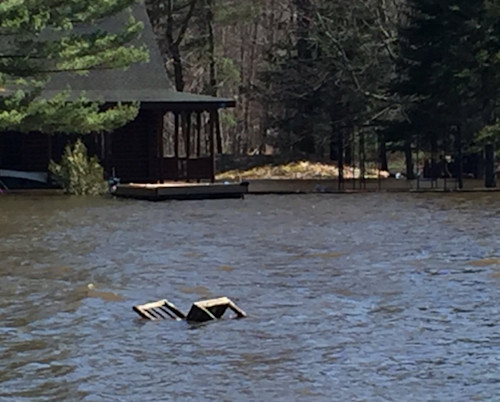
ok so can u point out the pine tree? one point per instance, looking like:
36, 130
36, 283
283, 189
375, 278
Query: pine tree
41, 38
295, 83
449, 67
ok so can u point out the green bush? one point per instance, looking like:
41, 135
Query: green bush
79, 174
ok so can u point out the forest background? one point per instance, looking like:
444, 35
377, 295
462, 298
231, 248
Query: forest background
340, 80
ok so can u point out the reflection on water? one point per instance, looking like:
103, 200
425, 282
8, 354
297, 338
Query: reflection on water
350, 297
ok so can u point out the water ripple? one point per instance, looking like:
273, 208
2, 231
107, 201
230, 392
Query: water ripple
379, 297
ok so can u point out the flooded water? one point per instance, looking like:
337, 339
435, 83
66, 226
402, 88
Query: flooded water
362, 297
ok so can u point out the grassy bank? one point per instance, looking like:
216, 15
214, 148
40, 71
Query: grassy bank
300, 170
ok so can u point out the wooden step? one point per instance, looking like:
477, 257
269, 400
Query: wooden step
158, 310
206, 310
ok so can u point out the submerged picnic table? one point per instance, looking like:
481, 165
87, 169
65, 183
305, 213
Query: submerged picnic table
201, 311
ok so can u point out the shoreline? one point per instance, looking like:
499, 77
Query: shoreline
329, 186
324, 186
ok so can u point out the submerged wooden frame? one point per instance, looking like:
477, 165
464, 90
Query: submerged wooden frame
159, 310
201, 311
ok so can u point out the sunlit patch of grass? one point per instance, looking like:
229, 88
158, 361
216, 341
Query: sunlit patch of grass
298, 170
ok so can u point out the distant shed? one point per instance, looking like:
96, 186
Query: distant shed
172, 138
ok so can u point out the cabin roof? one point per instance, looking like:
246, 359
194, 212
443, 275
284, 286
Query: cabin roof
141, 82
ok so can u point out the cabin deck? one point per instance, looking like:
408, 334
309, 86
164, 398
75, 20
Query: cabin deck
181, 191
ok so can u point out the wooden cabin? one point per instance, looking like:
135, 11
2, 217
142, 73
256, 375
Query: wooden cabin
172, 138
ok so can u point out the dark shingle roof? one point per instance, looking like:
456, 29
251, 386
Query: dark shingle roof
143, 82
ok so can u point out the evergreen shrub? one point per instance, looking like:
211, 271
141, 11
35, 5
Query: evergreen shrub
79, 174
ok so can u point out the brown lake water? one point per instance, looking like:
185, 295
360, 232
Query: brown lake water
361, 297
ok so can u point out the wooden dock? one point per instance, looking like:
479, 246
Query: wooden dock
307, 186
181, 191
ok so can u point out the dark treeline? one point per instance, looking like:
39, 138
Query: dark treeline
343, 79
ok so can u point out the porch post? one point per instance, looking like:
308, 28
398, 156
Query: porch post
159, 137
218, 134
198, 134
176, 135
153, 124
188, 134
212, 144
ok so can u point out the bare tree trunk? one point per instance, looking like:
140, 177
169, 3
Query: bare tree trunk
362, 160
212, 77
457, 131
270, 21
409, 158
240, 126
173, 44
249, 84
212, 80
384, 165
490, 179
304, 11
304, 53
340, 162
